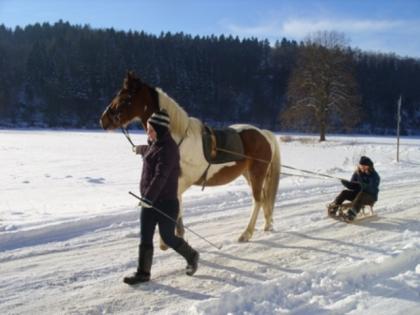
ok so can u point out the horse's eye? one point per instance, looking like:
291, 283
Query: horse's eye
112, 110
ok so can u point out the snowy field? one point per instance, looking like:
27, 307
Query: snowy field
69, 233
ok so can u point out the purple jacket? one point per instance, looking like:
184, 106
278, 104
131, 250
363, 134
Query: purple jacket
159, 177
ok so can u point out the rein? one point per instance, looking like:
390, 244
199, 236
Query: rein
282, 165
297, 175
127, 135
242, 155
313, 173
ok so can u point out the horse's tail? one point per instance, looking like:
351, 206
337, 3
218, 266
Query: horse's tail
271, 182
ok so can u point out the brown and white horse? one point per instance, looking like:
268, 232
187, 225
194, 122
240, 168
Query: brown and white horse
138, 101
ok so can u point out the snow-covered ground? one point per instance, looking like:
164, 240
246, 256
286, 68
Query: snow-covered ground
69, 234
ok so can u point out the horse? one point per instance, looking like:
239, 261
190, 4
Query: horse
136, 101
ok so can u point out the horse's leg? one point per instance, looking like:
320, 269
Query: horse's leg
268, 215
179, 229
271, 181
247, 234
268, 199
183, 185
256, 180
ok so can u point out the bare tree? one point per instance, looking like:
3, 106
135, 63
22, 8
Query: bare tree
322, 91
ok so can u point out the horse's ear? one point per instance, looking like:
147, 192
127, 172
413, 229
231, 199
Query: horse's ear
130, 74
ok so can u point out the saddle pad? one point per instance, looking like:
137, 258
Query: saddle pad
223, 139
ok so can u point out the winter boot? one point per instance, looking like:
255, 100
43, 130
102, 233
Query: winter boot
351, 215
332, 208
190, 255
145, 265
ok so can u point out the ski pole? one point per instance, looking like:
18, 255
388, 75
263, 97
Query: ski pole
168, 217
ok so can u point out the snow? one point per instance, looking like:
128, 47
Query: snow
69, 233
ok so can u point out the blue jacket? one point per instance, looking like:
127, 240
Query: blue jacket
161, 169
368, 183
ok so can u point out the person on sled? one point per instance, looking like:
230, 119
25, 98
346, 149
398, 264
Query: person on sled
159, 188
362, 189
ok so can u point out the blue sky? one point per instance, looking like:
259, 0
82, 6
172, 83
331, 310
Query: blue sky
372, 25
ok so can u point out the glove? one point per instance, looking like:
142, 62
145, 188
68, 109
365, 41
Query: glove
140, 149
345, 182
145, 203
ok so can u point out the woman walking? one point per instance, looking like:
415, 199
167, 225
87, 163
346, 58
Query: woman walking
158, 188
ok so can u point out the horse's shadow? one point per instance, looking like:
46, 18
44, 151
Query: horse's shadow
338, 242
238, 276
393, 225
257, 262
232, 281
233, 270
272, 244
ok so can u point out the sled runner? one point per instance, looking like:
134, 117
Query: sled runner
341, 213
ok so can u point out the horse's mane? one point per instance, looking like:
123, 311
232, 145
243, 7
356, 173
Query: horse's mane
180, 121
179, 117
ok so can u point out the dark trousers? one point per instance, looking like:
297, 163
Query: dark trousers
149, 218
358, 198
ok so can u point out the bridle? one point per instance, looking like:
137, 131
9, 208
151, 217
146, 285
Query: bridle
115, 114
127, 135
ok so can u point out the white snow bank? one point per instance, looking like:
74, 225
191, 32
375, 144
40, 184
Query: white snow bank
69, 233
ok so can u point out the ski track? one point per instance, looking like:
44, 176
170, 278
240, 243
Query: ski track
296, 267
310, 264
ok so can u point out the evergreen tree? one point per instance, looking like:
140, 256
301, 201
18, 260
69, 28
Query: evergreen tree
64, 75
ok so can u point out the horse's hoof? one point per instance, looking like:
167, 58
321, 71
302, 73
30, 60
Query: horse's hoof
180, 232
244, 238
268, 228
163, 246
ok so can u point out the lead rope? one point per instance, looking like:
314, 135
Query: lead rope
127, 135
125, 132
185, 134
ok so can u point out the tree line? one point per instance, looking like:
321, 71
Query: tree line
64, 75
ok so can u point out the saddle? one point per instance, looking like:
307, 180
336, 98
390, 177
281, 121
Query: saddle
222, 145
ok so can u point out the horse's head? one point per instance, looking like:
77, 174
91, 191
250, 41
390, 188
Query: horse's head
135, 100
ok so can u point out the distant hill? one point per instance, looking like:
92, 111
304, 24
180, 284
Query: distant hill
63, 75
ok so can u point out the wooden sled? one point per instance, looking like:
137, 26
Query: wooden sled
341, 213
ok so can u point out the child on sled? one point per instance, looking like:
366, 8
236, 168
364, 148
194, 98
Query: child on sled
362, 189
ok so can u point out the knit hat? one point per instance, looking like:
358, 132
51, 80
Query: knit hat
364, 160
160, 122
